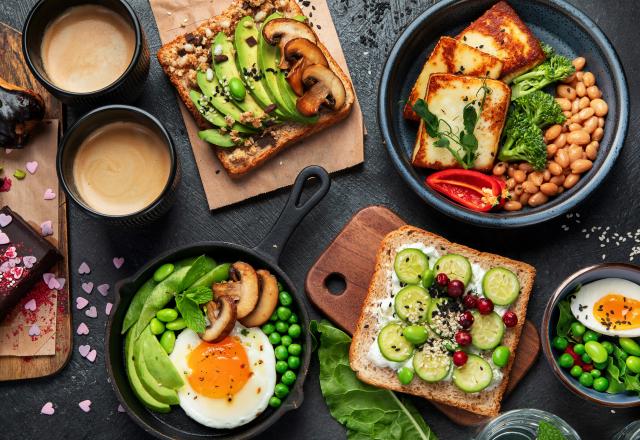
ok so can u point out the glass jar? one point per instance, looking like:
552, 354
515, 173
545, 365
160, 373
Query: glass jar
629, 432
522, 424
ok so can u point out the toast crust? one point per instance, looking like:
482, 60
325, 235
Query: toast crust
486, 402
181, 69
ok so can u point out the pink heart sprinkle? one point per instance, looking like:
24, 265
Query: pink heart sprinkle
82, 329
34, 330
91, 312
5, 219
81, 303
49, 194
84, 350
47, 409
121, 409
118, 262
85, 405
46, 228
91, 356
87, 287
103, 289
46, 277
32, 166
107, 309
4, 238
30, 305
29, 261
84, 268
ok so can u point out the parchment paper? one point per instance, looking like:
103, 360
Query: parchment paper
336, 148
26, 197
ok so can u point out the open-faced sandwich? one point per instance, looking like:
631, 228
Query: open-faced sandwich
441, 321
256, 79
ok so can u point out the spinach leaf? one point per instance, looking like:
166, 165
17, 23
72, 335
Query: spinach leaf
366, 411
565, 319
631, 383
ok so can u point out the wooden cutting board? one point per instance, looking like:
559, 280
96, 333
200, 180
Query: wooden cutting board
350, 259
14, 70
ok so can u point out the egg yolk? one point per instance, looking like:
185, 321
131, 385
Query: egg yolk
220, 369
617, 312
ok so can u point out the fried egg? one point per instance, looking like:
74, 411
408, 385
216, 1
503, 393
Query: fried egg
610, 306
227, 383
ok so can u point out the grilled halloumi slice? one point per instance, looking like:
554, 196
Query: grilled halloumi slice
447, 95
501, 33
451, 56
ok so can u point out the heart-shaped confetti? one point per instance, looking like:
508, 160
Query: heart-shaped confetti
81, 303
47, 409
87, 287
84, 350
82, 329
29, 261
91, 312
103, 289
32, 166
52, 282
107, 308
30, 305
49, 194
84, 268
118, 262
91, 356
34, 330
85, 405
4, 238
5, 219
121, 409
46, 228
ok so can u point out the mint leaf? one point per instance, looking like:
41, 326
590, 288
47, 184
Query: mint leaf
547, 431
200, 295
191, 313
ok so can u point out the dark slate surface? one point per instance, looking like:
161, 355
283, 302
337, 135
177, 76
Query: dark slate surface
367, 30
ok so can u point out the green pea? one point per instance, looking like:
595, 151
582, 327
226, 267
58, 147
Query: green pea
586, 380
579, 349
167, 315
274, 317
630, 346
268, 328
565, 360
274, 402
286, 340
633, 364
405, 375
596, 351
294, 362
284, 313
295, 349
156, 326
427, 278
450, 346
282, 327
577, 329
586, 358
275, 338
576, 371
280, 287
288, 378
281, 352
178, 324
501, 355
237, 89
285, 298
168, 341
601, 365
294, 319
560, 343
590, 335
601, 384
281, 367
281, 390
294, 330
607, 346
163, 271
595, 373
416, 334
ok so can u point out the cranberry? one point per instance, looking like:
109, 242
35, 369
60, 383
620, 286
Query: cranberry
463, 337
455, 288
470, 301
442, 279
485, 306
460, 358
510, 319
466, 319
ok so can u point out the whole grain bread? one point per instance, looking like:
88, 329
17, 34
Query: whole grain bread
486, 402
181, 67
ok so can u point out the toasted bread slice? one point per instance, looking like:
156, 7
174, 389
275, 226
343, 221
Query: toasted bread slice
486, 402
181, 67
451, 56
501, 33
447, 95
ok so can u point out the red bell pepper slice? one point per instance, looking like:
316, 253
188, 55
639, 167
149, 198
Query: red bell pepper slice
472, 189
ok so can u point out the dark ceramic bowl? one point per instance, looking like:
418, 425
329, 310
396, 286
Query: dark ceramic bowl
88, 124
555, 22
124, 90
549, 320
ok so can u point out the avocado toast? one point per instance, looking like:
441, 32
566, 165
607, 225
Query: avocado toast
253, 93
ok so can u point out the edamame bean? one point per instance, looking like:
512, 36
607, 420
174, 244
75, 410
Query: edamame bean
601, 384
288, 378
295, 349
167, 315
293, 319
630, 346
586, 380
168, 341
282, 327
577, 329
293, 362
579, 349
586, 358
285, 298
596, 373
275, 338
500, 355
156, 326
565, 361
281, 352
596, 351
178, 324
163, 271
560, 343
633, 364
590, 335
281, 390
576, 371
274, 317
281, 367
416, 334
268, 328
274, 402
286, 340
294, 330
237, 89
405, 375
428, 276
284, 313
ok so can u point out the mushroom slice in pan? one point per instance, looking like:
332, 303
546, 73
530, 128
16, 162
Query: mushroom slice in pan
302, 53
266, 303
243, 286
222, 317
282, 30
325, 88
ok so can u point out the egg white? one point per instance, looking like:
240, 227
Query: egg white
590, 293
249, 402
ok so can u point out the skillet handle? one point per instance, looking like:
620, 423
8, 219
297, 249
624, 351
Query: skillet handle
293, 212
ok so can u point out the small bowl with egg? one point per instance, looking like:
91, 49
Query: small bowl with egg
591, 334
87, 52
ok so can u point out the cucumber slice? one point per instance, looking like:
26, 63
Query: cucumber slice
412, 304
409, 265
431, 367
393, 345
433, 307
473, 376
486, 331
501, 286
455, 266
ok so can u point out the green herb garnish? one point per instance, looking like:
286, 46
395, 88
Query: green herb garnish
547, 431
188, 304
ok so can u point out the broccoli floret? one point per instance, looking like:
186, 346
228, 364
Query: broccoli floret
548, 50
555, 68
523, 141
540, 107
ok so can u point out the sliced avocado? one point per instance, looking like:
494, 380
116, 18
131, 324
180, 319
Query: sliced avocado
138, 389
217, 138
213, 90
212, 115
159, 392
158, 362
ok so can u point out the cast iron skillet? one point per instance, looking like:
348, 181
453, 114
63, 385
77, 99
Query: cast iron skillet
555, 22
265, 255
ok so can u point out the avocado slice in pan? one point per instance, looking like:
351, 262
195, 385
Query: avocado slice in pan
216, 137
209, 112
159, 392
158, 362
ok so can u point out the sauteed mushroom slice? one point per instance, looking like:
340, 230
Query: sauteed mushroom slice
325, 88
266, 303
282, 30
222, 317
243, 286
302, 53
